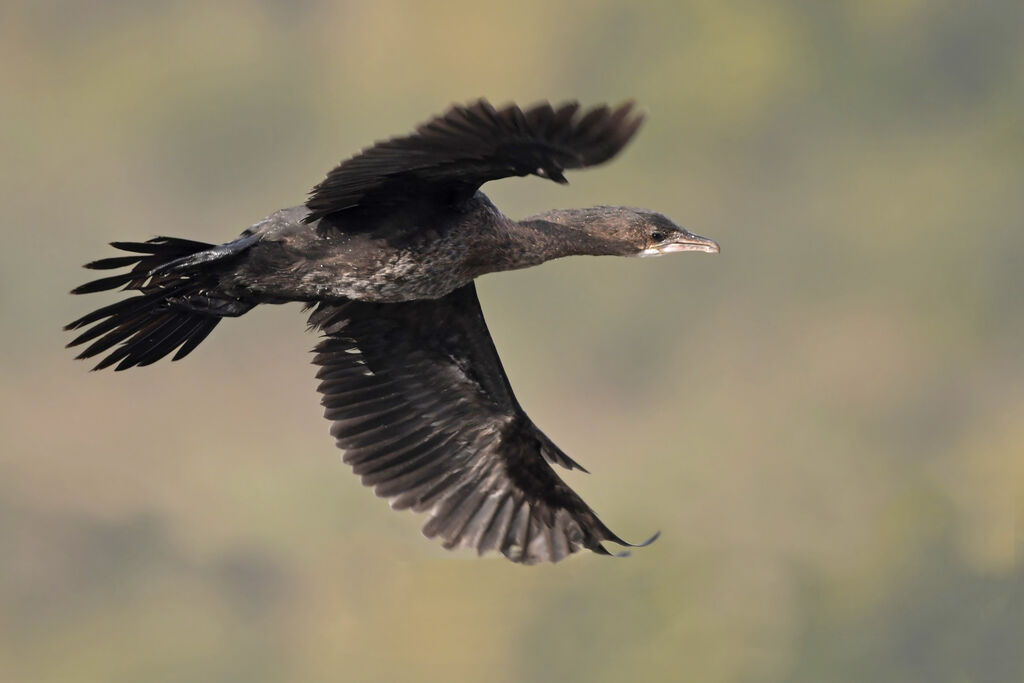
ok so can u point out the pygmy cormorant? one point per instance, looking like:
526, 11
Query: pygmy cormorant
385, 251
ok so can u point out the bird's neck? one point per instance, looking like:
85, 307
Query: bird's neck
551, 235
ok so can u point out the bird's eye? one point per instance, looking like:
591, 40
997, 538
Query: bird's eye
657, 236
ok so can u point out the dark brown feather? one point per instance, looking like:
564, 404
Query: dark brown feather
449, 157
421, 404
161, 317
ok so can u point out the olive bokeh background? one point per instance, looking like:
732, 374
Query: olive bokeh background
826, 420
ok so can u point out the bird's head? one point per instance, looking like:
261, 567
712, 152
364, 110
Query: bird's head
608, 231
657, 235
628, 231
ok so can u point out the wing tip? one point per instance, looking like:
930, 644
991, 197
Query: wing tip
619, 541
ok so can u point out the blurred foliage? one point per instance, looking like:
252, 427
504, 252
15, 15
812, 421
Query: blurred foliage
826, 420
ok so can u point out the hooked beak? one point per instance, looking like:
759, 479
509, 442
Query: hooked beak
683, 241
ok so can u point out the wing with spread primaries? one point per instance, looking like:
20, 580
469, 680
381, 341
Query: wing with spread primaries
424, 412
449, 157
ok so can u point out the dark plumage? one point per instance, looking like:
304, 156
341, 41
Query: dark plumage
386, 249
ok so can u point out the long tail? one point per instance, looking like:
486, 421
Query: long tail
178, 304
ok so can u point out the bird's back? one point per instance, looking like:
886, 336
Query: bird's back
407, 254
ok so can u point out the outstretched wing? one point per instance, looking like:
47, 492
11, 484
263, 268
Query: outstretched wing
449, 157
424, 412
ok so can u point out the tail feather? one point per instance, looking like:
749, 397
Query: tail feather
164, 246
203, 330
113, 262
105, 283
160, 319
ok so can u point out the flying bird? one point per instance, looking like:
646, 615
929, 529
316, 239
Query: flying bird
385, 252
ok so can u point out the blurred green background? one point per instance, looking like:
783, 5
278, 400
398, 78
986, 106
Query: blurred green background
826, 420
